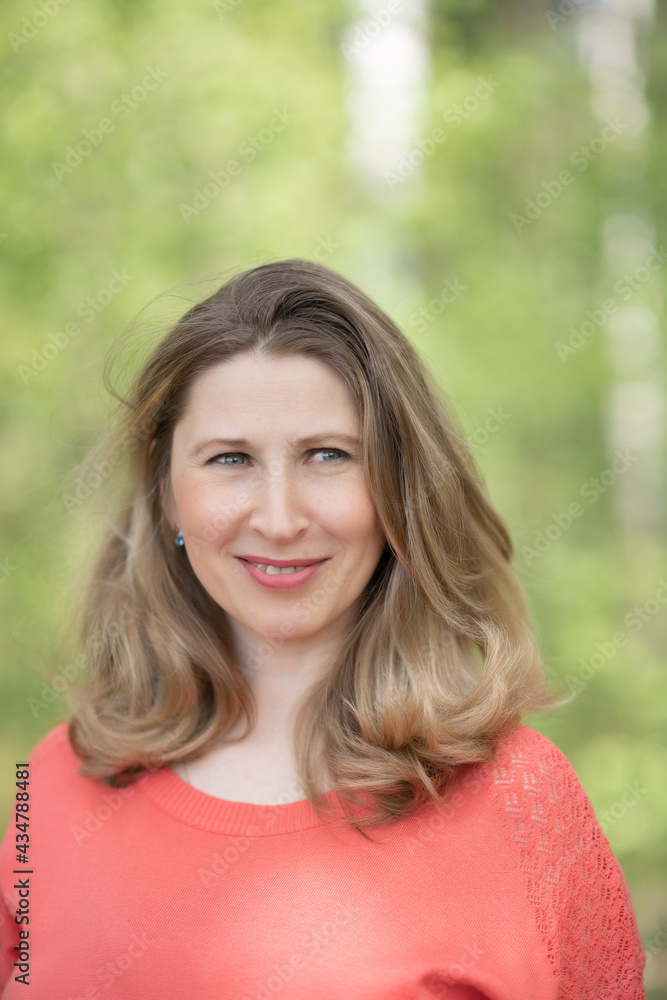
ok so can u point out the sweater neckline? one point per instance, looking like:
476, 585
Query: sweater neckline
192, 807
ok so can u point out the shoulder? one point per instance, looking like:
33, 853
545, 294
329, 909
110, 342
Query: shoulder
526, 765
52, 773
526, 776
574, 883
527, 747
55, 767
541, 802
65, 805
54, 749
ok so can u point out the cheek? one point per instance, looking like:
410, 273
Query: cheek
371, 532
352, 516
207, 514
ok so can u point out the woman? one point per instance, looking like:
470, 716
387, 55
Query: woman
296, 767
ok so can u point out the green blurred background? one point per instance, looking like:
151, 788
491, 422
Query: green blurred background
419, 151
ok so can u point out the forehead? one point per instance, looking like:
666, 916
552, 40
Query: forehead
290, 392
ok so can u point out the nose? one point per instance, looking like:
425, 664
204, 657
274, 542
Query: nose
279, 505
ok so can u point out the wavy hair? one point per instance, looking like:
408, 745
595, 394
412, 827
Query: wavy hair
441, 661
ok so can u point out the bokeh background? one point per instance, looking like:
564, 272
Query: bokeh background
493, 173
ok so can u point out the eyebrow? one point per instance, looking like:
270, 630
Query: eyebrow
312, 439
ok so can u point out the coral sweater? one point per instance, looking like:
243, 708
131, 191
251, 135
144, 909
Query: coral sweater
162, 891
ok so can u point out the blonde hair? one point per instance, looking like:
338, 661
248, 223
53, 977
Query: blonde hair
441, 662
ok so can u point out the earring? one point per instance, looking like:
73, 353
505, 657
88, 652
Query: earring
179, 538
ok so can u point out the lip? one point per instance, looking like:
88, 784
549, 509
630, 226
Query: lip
287, 581
281, 563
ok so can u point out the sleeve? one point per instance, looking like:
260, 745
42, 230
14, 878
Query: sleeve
9, 929
601, 952
574, 884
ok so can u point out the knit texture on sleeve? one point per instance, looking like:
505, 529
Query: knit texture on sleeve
575, 884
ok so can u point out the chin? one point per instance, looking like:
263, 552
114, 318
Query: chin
287, 630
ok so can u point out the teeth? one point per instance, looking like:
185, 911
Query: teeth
275, 570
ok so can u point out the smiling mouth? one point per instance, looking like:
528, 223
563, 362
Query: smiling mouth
280, 567
275, 570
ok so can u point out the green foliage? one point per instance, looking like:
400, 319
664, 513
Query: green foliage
184, 89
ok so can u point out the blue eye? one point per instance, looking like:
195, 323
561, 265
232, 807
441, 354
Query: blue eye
331, 451
336, 452
231, 454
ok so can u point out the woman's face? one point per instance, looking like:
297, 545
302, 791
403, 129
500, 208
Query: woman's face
266, 468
